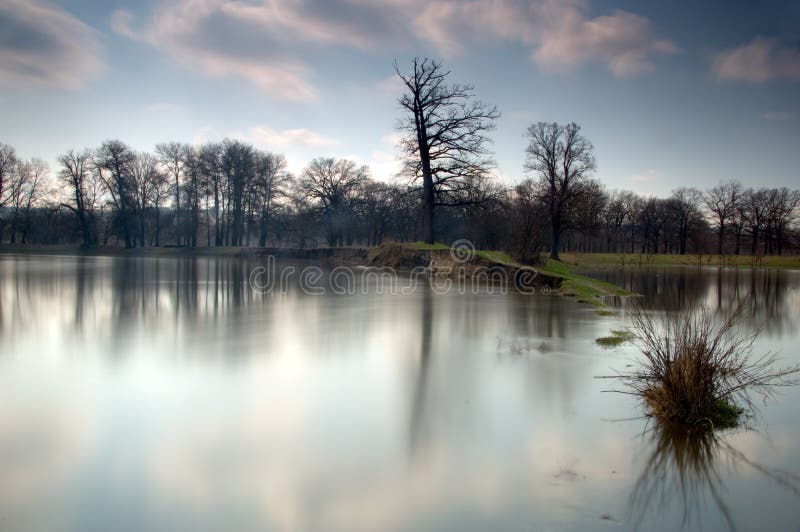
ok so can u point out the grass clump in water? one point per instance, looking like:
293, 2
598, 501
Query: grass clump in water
698, 372
616, 339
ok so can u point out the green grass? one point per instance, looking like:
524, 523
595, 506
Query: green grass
428, 247
583, 288
647, 259
725, 415
616, 339
497, 256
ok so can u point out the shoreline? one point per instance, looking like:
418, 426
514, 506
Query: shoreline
554, 276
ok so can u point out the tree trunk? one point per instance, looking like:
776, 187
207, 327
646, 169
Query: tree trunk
555, 241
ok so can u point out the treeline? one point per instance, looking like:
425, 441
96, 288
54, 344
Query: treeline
726, 219
232, 194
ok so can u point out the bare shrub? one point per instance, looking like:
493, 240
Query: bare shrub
700, 372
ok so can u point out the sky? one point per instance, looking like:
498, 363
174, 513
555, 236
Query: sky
671, 94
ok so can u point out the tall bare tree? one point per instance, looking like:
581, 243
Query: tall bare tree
25, 188
84, 191
721, 202
8, 163
561, 160
445, 136
212, 181
685, 207
114, 162
270, 184
172, 156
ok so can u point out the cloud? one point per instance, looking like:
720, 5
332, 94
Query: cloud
122, 22
223, 40
762, 59
298, 145
267, 42
622, 41
560, 35
288, 138
43, 45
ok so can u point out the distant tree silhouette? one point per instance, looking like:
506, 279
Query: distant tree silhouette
721, 202
271, 183
84, 191
173, 157
333, 184
561, 160
114, 162
236, 194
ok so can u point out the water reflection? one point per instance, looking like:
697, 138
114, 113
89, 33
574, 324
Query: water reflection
163, 394
688, 469
771, 297
421, 383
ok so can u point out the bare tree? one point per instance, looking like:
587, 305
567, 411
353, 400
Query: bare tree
151, 187
528, 219
685, 207
721, 203
8, 164
172, 156
561, 160
619, 217
211, 163
331, 184
114, 161
445, 136
756, 214
193, 169
271, 181
782, 206
84, 191
25, 188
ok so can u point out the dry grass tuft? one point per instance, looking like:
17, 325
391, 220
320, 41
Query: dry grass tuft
699, 372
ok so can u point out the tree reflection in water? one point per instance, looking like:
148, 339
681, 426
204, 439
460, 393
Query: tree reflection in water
688, 467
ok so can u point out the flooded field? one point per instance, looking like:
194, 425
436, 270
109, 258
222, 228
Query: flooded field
166, 394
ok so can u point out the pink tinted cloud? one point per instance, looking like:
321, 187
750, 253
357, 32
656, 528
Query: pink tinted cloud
762, 59
266, 42
48, 46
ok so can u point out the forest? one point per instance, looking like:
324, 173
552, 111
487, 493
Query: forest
232, 193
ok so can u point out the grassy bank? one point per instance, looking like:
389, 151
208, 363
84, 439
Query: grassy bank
583, 288
643, 259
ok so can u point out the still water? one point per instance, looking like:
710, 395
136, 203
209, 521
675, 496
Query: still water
165, 394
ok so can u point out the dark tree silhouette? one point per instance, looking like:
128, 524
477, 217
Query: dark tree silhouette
172, 156
84, 191
8, 164
685, 207
721, 202
561, 161
271, 182
114, 161
445, 137
332, 185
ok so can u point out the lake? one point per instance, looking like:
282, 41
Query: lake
169, 394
